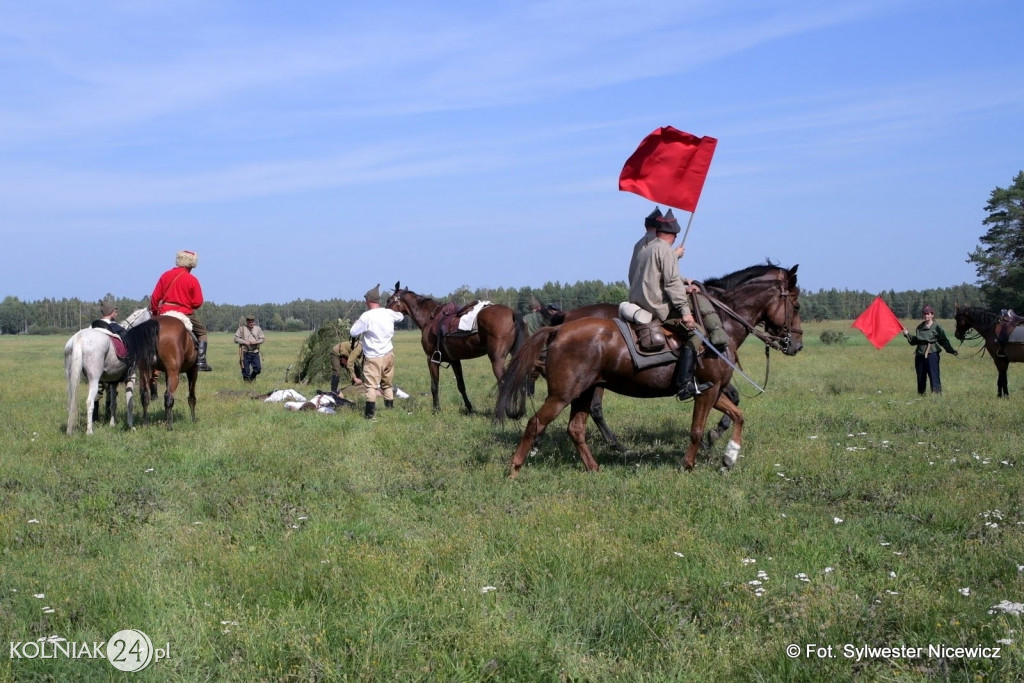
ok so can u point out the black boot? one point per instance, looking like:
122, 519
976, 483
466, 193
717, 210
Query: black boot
201, 361
334, 383
683, 383
389, 403
371, 410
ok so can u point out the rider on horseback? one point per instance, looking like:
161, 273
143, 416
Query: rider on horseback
178, 290
656, 286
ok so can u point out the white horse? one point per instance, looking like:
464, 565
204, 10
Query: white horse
91, 352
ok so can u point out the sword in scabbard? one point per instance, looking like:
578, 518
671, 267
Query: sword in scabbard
707, 343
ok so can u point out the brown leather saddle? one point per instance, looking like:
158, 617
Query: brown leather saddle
648, 359
444, 322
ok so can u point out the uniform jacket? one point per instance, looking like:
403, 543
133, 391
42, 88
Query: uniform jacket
249, 340
656, 285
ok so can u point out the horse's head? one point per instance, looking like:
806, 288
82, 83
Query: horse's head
781, 316
963, 323
395, 301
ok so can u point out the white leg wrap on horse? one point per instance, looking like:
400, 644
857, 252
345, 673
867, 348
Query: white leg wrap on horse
732, 453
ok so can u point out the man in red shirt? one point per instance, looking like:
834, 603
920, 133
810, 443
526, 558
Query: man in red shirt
179, 291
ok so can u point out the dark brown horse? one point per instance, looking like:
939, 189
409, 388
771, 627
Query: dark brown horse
164, 343
610, 312
991, 327
499, 331
589, 353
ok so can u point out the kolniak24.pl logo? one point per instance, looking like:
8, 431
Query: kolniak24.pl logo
127, 650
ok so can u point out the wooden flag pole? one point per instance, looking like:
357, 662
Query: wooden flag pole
688, 224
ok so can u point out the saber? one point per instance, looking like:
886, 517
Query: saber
728, 362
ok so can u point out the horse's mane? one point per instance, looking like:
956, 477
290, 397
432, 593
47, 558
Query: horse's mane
733, 280
981, 316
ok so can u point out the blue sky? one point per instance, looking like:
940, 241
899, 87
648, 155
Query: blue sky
313, 149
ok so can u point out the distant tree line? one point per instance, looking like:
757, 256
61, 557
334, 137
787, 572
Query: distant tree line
62, 316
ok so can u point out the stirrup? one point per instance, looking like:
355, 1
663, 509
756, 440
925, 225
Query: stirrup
691, 389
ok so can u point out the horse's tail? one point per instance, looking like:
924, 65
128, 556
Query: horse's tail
517, 342
73, 369
141, 343
514, 384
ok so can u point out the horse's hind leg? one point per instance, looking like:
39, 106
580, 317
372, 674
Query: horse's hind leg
192, 374
578, 428
1002, 386
597, 412
90, 403
534, 428
112, 403
461, 383
172, 386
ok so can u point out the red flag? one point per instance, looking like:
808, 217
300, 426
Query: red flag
878, 323
669, 167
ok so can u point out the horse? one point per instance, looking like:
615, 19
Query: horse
164, 343
590, 353
990, 327
499, 332
611, 312
91, 352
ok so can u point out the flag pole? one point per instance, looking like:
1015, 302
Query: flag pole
688, 224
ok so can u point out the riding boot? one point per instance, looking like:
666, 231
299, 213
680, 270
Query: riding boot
683, 383
201, 361
334, 383
389, 403
371, 410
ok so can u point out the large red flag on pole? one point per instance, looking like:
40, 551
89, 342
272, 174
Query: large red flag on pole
669, 167
878, 323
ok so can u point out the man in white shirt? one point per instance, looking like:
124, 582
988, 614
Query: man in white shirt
377, 327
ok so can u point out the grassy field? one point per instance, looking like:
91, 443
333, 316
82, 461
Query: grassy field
263, 544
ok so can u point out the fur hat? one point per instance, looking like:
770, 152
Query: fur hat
186, 259
652, 219
373, 296
107, 306
668, 223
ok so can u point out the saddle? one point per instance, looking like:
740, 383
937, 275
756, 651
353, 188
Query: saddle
445, 323
1009, 316
648, 359
119, 348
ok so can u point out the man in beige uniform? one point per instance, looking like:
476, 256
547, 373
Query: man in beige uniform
656, 286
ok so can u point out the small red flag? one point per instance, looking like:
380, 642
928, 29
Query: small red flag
878, 323
669, 167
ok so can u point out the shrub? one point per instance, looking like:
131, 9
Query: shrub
829, 337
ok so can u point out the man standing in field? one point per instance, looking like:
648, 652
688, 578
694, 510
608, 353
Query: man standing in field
377, 327
249, 337
179, 291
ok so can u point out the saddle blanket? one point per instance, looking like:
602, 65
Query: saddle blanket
180, 316
119, 347
467, 323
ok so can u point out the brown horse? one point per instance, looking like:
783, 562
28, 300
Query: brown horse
590, 353
991, 327
164, 343
499, 331
610, 312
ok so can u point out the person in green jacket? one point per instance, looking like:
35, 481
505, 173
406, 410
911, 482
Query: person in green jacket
928, 338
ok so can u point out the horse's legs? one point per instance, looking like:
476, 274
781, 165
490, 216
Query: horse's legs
435, 378
597, 412
1002, 386
112, 403
702, 405
536, 425
578, 428
90, 402
129, 401
172, 386
711, 436
145, 387
461, 383
193, 375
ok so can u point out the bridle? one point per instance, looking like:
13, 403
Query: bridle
778, 338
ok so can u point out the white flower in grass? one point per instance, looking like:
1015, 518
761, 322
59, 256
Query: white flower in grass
33, 521
886, 543
1020, 568
749, 560
837, 520
39, 595
964, 591
813, 436
488, 589
803, 577
889, 592
53, 639
1007, 463
758, 592
1005, 641
754, 582
828, 570
892, 575
1007, 607
678, 554
49, 610
762, 575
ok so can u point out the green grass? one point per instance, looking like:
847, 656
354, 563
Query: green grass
264, 544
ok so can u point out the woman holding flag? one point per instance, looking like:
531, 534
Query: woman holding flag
928, 338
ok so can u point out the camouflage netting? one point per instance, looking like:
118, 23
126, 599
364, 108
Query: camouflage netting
314, 362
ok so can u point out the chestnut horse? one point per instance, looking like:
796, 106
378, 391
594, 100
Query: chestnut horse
589, 353
164, 343
498, 333
610, 312
989, 326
